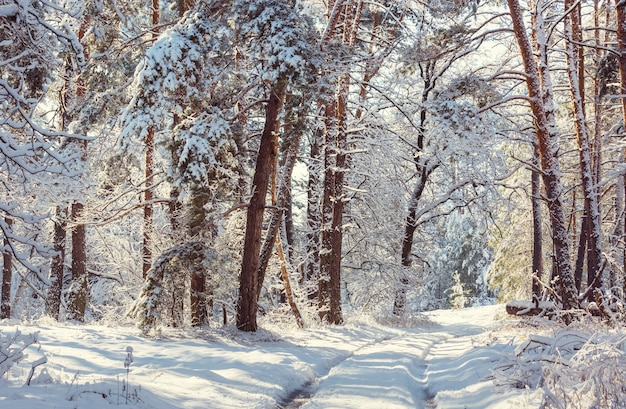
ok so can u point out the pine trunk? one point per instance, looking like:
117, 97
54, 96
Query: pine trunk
407, 242
57, 265
582, 251
78, 291
311, 266
325, 259
247, 303
336, 229
575, 69
620, 22
537, 228
541, 107
78, 295
198, 296
287, 284
424, 170
280, 196
7, 271
148, 195
617, 234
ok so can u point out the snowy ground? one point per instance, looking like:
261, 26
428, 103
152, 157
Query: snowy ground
444, 364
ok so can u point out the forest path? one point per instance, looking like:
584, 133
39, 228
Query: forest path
404, 371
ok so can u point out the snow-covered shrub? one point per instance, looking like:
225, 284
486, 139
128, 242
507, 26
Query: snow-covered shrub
162, 298
12, 348
571, 369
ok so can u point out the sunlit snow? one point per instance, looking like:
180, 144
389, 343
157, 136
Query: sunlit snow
444, 363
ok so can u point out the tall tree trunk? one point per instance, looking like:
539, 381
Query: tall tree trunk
336, 228
582, 251
620, 21
148, 195
77, 303
336, 146
617, 236
538, 91
623, 237
575, 70
286, 282
199, 315
279, 201
78, 294
247, 303
7, 271
196, 227
410, 226
57, 264
313, 215
537, 227
424, 169
323, 290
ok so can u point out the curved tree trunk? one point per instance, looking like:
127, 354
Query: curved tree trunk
247, 303
283, 190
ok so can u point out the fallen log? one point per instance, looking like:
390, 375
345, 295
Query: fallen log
523, 307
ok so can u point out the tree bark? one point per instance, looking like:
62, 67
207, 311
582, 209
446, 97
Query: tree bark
313, 212
582, 251
148, 195
424, 169
325, 254
77, 303
198, 297
280, 199
286, 282
336, 228
620, 21
537, 227
539, 93
336, 147
78, 296
57, 264
7, 272
575, 70
617, 235
247, 303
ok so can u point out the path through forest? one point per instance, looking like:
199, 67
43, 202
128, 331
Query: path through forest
439, 366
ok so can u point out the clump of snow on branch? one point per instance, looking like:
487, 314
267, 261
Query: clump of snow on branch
277, 38
161, 300
167, 79
203, 149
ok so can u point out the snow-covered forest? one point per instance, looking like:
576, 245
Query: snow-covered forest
239, 165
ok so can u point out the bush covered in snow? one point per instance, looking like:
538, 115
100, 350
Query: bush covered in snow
12, 348
569, 367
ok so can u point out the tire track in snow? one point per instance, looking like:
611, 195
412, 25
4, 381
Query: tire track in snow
408, 370
389, 373
298, 397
